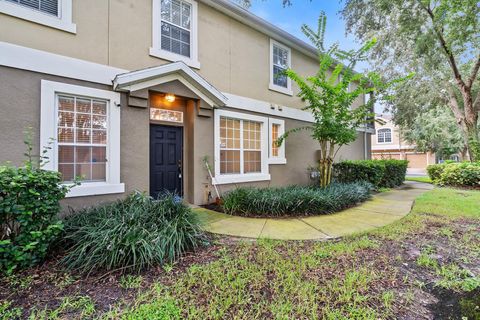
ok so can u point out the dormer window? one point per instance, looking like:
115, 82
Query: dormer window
175, 31
384, 135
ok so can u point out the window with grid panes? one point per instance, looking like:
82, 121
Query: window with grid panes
82, 138
45, 6
176, 18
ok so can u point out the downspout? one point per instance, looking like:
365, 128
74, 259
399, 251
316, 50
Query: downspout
365, 155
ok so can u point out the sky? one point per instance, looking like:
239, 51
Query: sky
291, 18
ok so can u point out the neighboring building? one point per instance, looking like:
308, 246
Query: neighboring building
387, 143
136, 93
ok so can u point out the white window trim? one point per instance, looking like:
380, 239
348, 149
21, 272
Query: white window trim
272, 86
62, 22
156, 50
246, 177
280, 159
391, 136
48, 131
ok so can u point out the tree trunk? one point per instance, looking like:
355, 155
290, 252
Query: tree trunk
472, 140
325, 163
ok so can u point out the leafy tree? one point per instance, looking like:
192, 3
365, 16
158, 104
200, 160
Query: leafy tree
330, 96
438, 40
435, 131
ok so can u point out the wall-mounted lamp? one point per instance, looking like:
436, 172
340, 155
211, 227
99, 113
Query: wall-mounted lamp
170, 97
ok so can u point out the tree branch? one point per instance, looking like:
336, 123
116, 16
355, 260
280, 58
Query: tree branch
474, 73
453, 103
476, 104
443, 43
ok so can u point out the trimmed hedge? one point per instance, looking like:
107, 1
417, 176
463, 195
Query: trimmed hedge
464, 174
380, 173
29, 204
294, 200
130, 234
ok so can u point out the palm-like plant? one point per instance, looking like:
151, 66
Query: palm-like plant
330, 95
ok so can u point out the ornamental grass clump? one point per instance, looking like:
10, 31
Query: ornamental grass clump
295, 200
130, 234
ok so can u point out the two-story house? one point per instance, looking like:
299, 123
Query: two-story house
388, 143
136, 94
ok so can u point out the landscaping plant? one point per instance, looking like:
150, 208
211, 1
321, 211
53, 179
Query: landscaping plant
29, 204
464, 174
295, 200
130, 234
388, 173
331, 97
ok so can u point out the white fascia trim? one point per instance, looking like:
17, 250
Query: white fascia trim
48, 133
245, 177
24, 58
280, 159
145, 78
392, 147
271, 85
156, 50
62, 22
272, 109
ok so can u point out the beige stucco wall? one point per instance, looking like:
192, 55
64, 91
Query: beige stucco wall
233, 57
20, 109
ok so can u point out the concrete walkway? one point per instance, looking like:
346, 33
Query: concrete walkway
384, 208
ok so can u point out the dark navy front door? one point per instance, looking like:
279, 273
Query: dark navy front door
166, 144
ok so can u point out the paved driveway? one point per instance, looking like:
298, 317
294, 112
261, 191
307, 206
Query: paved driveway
382, 209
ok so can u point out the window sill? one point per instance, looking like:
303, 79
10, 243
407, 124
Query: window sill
165, 55
95, 188
279, 89
277, 161
240, 178
32, 15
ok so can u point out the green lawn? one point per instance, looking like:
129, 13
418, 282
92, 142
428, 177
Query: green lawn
419, 179
387, 273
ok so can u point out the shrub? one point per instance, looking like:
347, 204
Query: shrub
294, 200
131, 234
434, 171
380, 173
29, 204
359, 170
395, 172
460, 174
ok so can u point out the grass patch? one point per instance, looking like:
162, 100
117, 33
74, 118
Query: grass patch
419, 179
295, 200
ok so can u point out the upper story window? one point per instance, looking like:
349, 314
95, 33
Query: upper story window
52, 13
280, 60
175, 31
384, 135
46, 6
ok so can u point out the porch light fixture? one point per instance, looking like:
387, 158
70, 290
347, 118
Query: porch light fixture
170, 97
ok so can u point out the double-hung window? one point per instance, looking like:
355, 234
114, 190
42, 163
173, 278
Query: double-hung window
384, 135
82, 127
241, 147
53, 13
280, 60
175, 31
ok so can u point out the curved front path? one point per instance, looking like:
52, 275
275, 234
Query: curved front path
384, 208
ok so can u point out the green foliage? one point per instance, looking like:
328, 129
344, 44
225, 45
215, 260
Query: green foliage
380, 173
359, 170
435, 131
131, 234
294, 200
435, 170
130, 281
162, 309
29, 204
439, 41
9, 312
460, 174
332, 95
